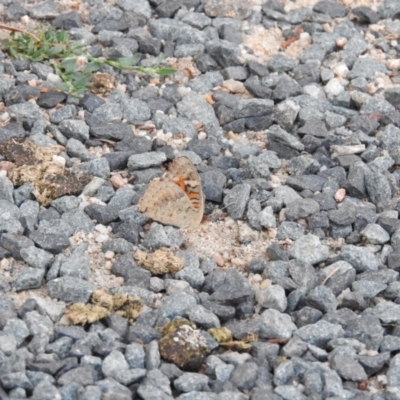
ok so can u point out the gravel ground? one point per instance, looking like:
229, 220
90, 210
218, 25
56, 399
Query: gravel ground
290, 111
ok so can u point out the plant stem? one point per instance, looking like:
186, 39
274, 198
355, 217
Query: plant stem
13, 29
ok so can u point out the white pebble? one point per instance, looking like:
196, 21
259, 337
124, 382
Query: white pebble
108, 265
25, 20
53, 78
94, 200
314, 91
202, 135
109, 255
101, 229
5, 116
340, 42
393, 63
102, 238
60, 161
340, 69
333, 87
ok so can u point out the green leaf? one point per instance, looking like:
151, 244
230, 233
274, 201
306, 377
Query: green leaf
127, 62
30, 48
82, 81
5, 43
165, 71
13, 52
91, 67
68, 65
62, 86
159, 58
55, 50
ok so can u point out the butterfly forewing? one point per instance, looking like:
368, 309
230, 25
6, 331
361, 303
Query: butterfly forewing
176, 199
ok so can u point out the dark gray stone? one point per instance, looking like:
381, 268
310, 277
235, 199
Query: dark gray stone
234, 290
361, 258
301, 209
320, 333
236, 200
15, 243
290, 230
276, 325
309, 249
331, 8
102, 214
70, 289
28, 278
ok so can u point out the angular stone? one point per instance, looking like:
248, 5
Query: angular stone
236, 200
361, 258
309, 249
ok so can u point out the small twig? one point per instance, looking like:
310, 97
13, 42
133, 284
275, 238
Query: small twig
333, 272
13, 29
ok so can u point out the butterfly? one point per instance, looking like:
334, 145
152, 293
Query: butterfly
177, 198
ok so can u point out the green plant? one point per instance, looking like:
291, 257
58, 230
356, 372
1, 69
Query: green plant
69, 58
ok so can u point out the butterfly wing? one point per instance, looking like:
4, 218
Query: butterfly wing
182, 167
165, 201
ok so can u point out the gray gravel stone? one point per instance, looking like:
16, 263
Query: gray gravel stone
234, 290
98, 167
15, 243
135, 110
15, 380
6, 189
387, 312
78, 220
54, 242
390, 343
9, 217
267, 218
276, 325
70, 289
244, 376
361, 258
272, 297
348, 368
236, 200
320, 333
378, 187
76, 148
36, 258
195, 108
28, 278
375, 234
135, 355
114, 364
301, 208
203, 318
309, 249
77, 264
146, 160
73, 128
108, 113
277, 134
252, 108
176, 305
189, 381
155, 385
368, 289
321, 298
180, 125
